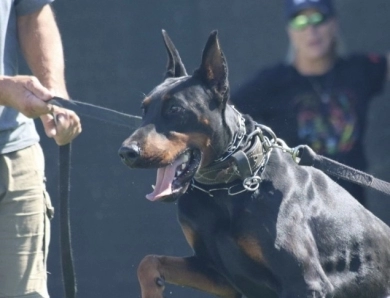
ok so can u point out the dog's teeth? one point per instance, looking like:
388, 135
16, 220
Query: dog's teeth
153, 186
178, 173
183, 166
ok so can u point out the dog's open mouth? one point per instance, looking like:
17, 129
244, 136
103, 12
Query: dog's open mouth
174, 179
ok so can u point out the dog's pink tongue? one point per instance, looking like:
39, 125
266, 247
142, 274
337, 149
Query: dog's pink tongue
163, 182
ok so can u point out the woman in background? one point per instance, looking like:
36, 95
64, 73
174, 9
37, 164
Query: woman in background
320, 97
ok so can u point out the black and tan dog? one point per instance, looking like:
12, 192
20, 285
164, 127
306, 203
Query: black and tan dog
253, 217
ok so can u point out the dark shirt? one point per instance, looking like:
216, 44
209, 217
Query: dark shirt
326, 112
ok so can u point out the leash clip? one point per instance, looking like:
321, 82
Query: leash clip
296, 153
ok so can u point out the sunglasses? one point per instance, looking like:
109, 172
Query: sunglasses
301, 22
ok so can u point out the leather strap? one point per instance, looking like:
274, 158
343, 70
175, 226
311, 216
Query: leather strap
238, 166
309, 158
68, 273
243, 164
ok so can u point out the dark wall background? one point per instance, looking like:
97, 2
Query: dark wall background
114, 54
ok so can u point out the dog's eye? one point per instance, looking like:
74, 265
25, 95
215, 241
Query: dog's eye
174, 109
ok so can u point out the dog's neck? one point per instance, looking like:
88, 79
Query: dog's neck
243, 155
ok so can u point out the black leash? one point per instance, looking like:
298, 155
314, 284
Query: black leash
68, 272
97, 113
307, 157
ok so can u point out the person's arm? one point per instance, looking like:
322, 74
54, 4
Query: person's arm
41, 46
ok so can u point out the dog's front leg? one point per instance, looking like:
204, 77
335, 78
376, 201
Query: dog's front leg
154, 271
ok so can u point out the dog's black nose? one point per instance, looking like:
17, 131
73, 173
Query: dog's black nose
129, 152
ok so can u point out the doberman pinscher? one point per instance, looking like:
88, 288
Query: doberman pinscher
253, 217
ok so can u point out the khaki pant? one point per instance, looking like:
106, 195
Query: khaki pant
24, 224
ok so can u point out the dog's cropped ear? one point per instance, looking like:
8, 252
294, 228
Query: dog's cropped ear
214, 68
175, 68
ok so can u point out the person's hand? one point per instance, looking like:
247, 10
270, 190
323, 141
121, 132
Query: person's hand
25, 94
62, 125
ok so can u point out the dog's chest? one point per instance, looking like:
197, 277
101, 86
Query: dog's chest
220, 230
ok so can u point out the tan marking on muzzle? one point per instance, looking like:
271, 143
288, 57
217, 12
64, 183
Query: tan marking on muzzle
165, 150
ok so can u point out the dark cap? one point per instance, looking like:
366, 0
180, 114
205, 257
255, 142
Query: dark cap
293, 7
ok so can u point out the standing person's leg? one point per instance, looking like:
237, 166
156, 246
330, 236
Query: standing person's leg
24, 224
